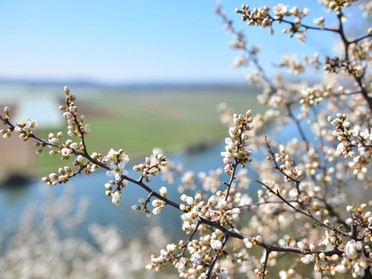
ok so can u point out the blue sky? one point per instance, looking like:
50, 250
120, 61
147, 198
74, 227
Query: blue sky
130, 41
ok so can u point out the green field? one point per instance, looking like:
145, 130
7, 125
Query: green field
137, 121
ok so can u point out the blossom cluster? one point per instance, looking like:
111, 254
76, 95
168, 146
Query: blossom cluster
208, 245
353, 142
296, 67
153, 165
75, 123
159, 204
262, 17
116, 162
350, 137
337, 6
236, 149
287, 165
24, 130
335, 65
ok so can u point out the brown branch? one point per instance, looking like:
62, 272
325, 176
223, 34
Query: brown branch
309, 215
368, 36
307, 27
257, 204
358, 79
296, 181
232, 178
298, 125
267, 254
216, 258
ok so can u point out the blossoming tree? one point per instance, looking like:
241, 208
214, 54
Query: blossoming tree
304, 212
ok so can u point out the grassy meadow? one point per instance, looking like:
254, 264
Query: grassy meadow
170, 118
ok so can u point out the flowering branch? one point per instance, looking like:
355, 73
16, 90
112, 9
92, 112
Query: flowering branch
301, 216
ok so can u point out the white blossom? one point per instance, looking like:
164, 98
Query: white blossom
116, 196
